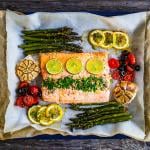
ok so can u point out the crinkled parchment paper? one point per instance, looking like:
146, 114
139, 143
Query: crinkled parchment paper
147, 79
133, 24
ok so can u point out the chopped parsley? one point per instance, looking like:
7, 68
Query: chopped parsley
88, 84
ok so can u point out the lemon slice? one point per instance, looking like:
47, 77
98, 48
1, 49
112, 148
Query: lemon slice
108, 42
55, 112
74, 66
96, 37
120, 40
32, 114
94, 66
54, 66
41, 115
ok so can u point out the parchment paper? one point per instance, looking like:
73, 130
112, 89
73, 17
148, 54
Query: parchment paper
147, 79
16, 119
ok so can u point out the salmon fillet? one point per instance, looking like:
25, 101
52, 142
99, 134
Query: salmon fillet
70, 96
63, 57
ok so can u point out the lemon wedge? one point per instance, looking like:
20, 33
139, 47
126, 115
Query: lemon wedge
74, 66
54, 66
43, 119
120, 40
96, 38
108, 42
55, 112
94, 66
32, 114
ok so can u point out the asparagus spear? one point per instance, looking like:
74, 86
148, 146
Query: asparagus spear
26, 45
62, 37
34, 46
56, 30
94, 116
95, 106
103, 120
50, 40
104, 116
51, 50
112, 120
59, 34
40, 51
99, 110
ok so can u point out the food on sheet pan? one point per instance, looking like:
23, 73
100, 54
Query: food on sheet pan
96, 38
113, 63
50, 40
108, 39
27, 95
125, 92
45, 115
55, 112
64, 57
100, 114
74, 65
120, 40
79, 88
82, 80
27, 70
54, 66
32, 114
42, 118
124, 68
108, 42
94, 66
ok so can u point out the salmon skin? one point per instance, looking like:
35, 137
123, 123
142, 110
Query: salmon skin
71, 96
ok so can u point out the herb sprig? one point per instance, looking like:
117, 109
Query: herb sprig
88, 84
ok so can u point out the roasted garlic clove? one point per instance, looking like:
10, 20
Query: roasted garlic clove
124, 92
27, 70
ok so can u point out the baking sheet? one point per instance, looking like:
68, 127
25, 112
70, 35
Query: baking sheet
81, 22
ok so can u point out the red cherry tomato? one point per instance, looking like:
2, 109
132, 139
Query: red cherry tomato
34, 90
129, 76
23, 84
116, 75
19, 101
129, 68
126, 61
30, 100
131, 58
113, 63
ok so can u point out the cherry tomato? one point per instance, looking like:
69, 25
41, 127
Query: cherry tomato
113, 63
23, 84
116, 75
34, 90
19, 101
131, 58
129, 68
30, 100
126, 62
129, 76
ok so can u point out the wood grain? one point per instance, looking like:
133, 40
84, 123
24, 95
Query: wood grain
95, 144
76, 5
28, 6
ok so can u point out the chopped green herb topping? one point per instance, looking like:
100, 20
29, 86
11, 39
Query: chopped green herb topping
89, 84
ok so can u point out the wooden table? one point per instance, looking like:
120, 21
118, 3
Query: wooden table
27, 6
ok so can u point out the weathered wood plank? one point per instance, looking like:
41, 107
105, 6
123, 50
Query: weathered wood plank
90, 144
75, 5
